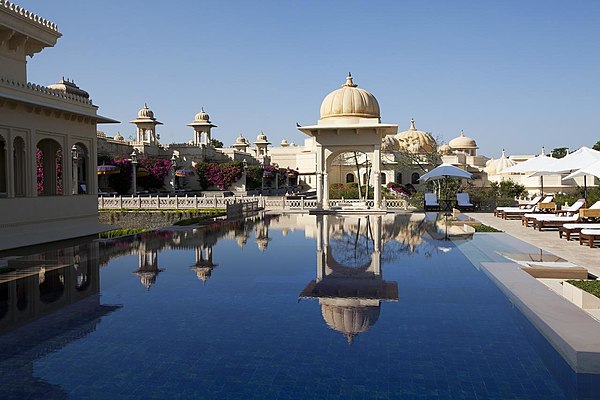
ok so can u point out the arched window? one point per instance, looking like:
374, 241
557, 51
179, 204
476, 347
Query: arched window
80, 168
399, 177
414, 178
49, 168
383, 178
349, 178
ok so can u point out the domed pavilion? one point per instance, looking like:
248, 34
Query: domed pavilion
350, 120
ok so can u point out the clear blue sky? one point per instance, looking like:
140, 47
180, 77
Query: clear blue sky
513, 74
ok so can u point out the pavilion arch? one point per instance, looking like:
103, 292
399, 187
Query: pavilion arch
19, 167
81, 169
350, 178
3, 167
50, 167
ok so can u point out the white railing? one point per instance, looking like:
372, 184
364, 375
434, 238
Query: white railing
196, 202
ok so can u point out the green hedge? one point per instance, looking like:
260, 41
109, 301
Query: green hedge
592, 287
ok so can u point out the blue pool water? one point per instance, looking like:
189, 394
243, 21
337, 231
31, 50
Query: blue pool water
286, 307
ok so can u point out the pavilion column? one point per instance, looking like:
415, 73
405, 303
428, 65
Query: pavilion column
325, 190
377, 178
10, 169
319, 189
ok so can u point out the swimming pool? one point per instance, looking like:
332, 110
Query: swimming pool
274, 307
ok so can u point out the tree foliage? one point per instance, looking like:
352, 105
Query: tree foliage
560, 152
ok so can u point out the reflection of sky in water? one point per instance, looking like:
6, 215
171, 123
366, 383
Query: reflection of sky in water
243, 333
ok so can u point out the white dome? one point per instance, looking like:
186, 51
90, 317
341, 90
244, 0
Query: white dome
241, 140
416, 141
463, 142
445, 149
494, 167
284, 143
261, 138
119, 137
350, 101
145, 113
202, 116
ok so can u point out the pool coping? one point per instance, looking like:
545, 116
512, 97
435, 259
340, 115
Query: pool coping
570, 330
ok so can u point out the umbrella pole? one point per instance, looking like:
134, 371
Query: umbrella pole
585, 189
542, 180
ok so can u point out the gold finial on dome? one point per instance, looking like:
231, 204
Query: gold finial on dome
503, 153
462, 133
412, 125
349, 82
543, 153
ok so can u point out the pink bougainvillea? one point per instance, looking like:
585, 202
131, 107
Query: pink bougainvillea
39, 160
219, 175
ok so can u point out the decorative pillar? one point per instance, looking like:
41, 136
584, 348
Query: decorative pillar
75, 163
134, 162
9, 168
319, 189
377, 181
325, 190
376, 256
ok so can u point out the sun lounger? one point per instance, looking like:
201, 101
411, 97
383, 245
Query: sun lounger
507, 212
589, 236
555, 270
463, 202
431, 202
567, 230
554, 221
567, 215
527, 206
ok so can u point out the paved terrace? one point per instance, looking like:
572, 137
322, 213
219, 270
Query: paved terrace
547, 240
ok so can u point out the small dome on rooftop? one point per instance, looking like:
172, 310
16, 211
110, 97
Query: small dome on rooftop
416, 141
145, 113
241, 140
463, 142
202, 116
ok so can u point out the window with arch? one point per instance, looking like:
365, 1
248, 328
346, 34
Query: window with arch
383, 178
414, 178
49, 168
80, 168
399, 177
349, 178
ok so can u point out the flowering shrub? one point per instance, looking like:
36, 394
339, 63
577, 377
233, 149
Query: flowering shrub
158, 169
219, 175
405, 190
269, 171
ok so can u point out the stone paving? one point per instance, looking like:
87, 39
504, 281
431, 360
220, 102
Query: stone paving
547, 240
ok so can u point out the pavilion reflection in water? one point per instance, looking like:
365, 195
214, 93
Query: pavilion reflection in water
350, 292
49, 301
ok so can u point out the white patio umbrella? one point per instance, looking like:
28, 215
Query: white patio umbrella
445, 171
577, 160
537, 163
592, 169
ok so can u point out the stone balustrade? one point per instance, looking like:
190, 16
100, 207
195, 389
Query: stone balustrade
198, 202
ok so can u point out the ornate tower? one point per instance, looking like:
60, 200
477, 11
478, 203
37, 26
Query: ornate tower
202, 127
146, 127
